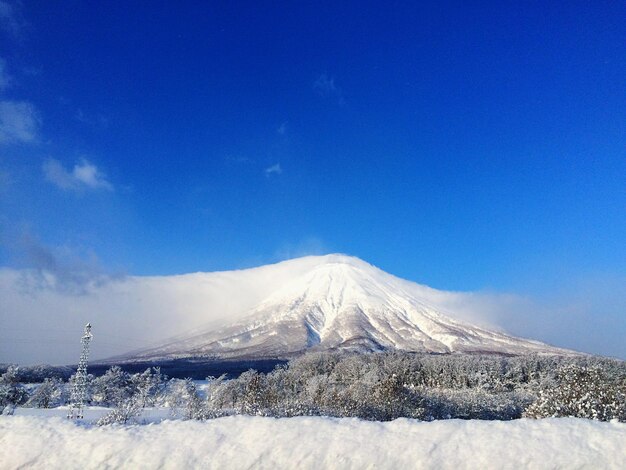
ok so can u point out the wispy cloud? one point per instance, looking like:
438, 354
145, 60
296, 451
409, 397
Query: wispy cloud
282, 129
5, 79
5, 180
9, 19
308, 246
19, 122
84, 175
237, 159
585, 316
325, 86
67, 269
273, 170
97, 120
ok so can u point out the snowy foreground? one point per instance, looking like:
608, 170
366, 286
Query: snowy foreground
313, 442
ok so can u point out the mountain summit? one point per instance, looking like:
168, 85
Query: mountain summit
338, 302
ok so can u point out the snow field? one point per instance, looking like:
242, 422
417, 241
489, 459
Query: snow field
313, 443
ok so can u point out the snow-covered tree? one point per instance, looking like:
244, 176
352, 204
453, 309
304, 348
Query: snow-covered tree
125, 411
48, 395
12, 392
113, 387
582, 392
254, 393
149, 386
184, 400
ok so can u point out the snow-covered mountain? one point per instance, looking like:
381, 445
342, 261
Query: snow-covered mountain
340, 302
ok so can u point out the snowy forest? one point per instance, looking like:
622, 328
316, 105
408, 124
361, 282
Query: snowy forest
378, 386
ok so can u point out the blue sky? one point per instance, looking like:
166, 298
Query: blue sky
465, 147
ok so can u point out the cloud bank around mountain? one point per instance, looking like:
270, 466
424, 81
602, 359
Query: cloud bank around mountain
42, 322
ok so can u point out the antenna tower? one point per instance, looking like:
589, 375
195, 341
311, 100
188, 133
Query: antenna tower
79, 387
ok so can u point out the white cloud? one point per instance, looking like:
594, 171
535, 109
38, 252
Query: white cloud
19, 122
68, 268
325, 86
84, 175
90, 176
282, 129
65, 269
273, 170
127, 312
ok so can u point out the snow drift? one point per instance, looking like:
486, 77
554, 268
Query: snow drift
313, 442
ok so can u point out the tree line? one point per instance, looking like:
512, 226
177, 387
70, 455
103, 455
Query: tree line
378, 386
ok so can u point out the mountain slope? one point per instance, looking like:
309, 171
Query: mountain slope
341, 302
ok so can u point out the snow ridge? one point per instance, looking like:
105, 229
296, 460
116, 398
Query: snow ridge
314, 443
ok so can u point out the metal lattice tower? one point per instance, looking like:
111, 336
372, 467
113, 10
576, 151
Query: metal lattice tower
79, 387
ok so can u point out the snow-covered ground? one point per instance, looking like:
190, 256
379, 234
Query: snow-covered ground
92, 414
313, 442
